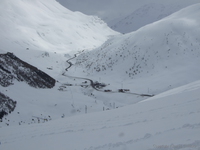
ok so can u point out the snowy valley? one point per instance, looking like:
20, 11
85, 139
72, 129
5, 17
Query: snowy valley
68, 81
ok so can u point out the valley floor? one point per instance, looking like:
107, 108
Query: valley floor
167, 121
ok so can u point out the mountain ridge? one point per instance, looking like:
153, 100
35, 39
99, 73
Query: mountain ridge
12, 68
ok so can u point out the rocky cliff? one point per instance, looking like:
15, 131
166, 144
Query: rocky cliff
12, 68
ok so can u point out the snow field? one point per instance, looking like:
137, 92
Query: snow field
169, 119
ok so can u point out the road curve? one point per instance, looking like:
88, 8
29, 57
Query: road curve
92, 82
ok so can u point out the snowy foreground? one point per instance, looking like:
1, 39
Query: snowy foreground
167, 121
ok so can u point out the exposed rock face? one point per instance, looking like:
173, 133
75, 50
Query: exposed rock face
7, 105
12, 68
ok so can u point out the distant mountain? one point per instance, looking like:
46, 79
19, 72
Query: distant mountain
127, 15
144, 15
168, 49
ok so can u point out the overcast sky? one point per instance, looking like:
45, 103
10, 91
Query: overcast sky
111, 9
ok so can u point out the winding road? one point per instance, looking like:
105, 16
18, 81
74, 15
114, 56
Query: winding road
92, 82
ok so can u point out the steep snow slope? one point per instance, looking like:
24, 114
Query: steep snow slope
134, 14
164, 54
165, 122
38, 28
44, 24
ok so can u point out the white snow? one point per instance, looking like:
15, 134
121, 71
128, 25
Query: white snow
31, 28
163, 122
159, 56
166, 56
46, 25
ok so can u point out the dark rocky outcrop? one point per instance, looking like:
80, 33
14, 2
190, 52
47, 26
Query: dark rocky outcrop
7, 105
12, 68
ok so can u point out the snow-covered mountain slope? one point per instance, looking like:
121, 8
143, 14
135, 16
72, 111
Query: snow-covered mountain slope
167, 121
165, 54
127, 16
39, 28
46, 25
146, 14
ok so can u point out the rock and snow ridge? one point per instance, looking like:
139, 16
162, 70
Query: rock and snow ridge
12, 68
7, 105
167, 52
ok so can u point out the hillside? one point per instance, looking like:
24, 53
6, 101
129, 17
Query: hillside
164, 54
47, 25
36, 29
